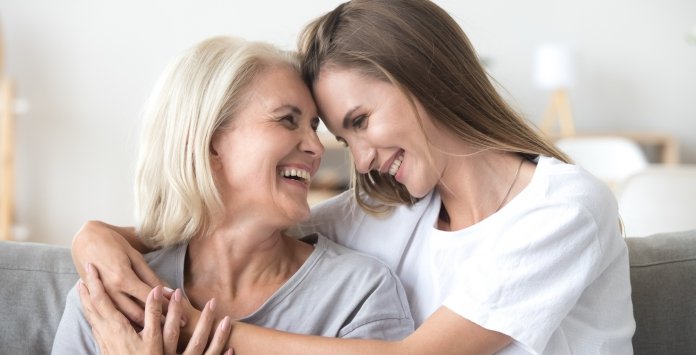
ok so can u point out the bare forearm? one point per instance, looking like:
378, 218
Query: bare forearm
129, 234
250, 339
444, 332
93, 228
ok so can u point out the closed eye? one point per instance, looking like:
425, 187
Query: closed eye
289, 120
359, 122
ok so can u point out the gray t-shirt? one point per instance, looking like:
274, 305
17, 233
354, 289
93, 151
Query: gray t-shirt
337, 292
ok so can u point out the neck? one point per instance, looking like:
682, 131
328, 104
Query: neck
241, 266
474, 187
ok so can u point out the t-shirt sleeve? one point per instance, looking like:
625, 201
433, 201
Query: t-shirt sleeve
532, 276
74, 334
384, 312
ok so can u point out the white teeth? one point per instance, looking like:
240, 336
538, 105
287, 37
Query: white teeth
396, 164
302, 174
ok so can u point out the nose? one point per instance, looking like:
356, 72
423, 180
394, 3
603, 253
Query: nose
363, 156
311, 144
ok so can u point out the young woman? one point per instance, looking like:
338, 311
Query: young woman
228, 151
501, 243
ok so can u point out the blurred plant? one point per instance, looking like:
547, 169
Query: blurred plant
691, 36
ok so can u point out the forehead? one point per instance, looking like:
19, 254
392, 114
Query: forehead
338, 91
276, 86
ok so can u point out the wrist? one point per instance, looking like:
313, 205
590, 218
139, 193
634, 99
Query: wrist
191, 319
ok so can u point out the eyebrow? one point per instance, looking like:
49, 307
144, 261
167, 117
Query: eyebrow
347, 117
292, 108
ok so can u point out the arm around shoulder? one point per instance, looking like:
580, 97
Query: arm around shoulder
444, 332
125, 272
95, 236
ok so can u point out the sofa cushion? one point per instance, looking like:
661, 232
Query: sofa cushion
663, 282
35, 280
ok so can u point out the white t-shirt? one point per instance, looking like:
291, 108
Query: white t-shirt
550, 269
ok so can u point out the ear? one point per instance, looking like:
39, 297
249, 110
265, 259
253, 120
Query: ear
215, 161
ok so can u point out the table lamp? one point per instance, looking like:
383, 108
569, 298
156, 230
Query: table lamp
553, 70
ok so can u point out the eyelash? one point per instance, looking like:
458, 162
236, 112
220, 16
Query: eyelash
291, 120
359, 122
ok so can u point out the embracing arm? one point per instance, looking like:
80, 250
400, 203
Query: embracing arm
444, 332
116, 251
113, 334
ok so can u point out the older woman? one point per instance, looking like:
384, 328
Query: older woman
228, 151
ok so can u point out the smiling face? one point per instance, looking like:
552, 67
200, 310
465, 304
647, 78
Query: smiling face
378, 123
263, 162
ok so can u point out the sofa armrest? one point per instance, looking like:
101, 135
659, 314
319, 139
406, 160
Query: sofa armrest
35, 279
663, 282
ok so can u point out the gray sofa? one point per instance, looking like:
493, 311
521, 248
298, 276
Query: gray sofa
34, 279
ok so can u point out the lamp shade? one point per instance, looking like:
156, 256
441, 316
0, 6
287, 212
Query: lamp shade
553, 67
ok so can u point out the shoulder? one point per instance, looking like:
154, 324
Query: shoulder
564, 205
365, 288
342, 257
571, 187
563, 181
364, 274
168, 263
343, 221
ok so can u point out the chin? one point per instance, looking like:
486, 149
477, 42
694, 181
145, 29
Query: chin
419, 191
419, 186
299, 213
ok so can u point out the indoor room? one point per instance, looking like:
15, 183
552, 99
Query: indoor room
611, 84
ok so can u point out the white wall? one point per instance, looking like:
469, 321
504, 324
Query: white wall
86, 67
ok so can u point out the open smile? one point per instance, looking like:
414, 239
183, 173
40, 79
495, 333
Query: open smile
396, 163
296, 174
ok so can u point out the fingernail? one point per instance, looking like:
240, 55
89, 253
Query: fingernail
158, 293
212, 304
177, 295
167, 290
89, 268
225, 325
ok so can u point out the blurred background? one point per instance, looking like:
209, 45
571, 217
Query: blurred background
76, 75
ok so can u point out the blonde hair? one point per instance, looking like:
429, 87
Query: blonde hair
197, 96
416, 46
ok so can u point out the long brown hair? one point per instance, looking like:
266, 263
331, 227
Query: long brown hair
418, 47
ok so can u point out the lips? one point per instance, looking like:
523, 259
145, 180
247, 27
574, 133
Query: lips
396, 164
297, 174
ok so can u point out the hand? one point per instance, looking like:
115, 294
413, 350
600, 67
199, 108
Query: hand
114, 334
112, 331
127, 278
196, 333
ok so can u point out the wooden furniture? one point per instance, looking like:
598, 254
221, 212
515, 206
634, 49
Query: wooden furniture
665, 147
6, 153
559, 110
